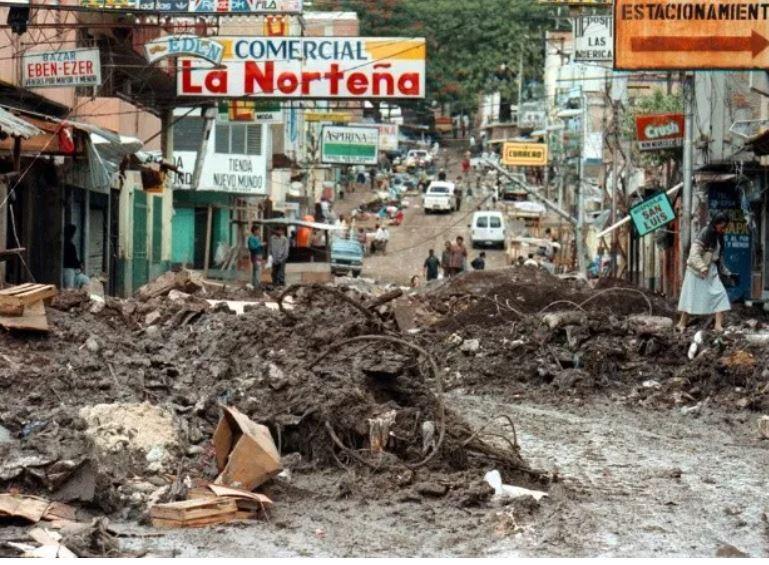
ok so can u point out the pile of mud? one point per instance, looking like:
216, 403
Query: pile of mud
118, 397
523, 332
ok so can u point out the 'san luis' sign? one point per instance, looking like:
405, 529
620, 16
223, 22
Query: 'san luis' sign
652, 214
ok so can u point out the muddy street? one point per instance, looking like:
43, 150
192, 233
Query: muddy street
630, 483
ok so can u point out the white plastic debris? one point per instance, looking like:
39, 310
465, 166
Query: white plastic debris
696, 343
508, 491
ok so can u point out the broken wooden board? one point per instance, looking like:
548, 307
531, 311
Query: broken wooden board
31, 508
403, 312
194, 513
26, 294
33, 319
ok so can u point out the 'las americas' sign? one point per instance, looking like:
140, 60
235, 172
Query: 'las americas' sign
327, 67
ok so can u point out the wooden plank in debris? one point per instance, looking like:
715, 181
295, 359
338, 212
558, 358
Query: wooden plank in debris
30, 508
194, 513
33, 319
25, 295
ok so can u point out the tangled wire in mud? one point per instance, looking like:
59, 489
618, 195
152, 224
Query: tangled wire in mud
447, 440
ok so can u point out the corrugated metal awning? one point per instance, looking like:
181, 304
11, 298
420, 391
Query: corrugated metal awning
16, 127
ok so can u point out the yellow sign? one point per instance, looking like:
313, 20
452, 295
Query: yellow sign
669, 34
335, 117
524, 154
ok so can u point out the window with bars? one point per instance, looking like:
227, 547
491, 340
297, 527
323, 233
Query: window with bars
188, 133
238, 139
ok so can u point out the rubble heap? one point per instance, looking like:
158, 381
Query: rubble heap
523, 331
118, 398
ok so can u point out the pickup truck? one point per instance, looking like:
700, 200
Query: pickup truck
439, 197
346, 256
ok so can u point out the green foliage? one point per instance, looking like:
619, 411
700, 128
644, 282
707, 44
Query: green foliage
467, 40
657, 103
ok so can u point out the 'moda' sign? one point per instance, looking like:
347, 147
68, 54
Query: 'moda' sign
298, 67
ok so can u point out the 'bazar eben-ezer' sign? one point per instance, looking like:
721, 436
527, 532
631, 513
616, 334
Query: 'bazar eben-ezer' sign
310, 67
652, 214
50, 69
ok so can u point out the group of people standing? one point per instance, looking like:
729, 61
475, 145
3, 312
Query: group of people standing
452, 262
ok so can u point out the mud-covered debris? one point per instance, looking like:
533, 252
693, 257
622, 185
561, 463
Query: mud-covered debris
728, 550
470, 346
763, 426
246, 455
92, 540
194, 513
29, 508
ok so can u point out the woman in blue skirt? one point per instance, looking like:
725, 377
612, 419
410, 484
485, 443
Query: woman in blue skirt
703, 293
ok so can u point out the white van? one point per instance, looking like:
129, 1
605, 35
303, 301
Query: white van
488, 229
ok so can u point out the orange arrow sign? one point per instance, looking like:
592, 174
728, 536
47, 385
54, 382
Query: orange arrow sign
756, 43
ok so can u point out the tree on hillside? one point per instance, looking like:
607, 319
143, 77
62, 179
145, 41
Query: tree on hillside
468, 41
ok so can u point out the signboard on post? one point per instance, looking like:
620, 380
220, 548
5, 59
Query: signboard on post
347, 145
659, 131
524, 154
183, 46
669, 35
253, 111
593, 40
310, 67
652, 214
193, 6
52, 69
388, 135
234, 162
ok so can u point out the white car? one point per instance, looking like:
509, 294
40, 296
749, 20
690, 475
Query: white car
439, 197
418, 158
488, 229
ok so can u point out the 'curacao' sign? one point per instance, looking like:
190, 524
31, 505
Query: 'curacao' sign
310, 67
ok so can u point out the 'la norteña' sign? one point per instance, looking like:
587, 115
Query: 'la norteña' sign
309, 67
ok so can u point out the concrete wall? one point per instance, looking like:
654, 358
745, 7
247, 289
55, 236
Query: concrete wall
118, 115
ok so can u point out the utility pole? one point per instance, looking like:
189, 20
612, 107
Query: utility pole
686, 214
520, 83
614, 187
580, 231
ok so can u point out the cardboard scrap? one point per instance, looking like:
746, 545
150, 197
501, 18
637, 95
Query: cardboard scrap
31, 508
246, 455
50, 546
194, 513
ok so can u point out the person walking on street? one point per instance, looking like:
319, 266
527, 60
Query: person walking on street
479, 263
431, 266
458, 194
446, 259
702, 292
457, 257
255, 249
279, 248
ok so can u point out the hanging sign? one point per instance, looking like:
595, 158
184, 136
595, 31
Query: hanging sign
195, 6
668, 35
524, 154
388, 135
652, 214
185, 45
593, 39
78, 67
345, 145
310, 67
254, 111
659, 131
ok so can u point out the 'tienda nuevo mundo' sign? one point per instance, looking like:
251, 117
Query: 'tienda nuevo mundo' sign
344, 145
77, 67
310, 67
652, 214
659, 131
